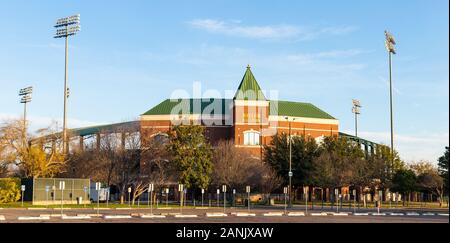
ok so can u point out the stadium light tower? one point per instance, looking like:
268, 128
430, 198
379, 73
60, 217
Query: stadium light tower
25, 95
390, 47
356, 111
66, 27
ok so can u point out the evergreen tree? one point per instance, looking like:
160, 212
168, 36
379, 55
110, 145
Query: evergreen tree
191, 155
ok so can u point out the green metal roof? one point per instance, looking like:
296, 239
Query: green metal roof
249, 88
283, 108
186, 106
297, 109
357, 139
132, 126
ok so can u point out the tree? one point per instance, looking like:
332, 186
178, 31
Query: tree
9, 190
433, 183
232, 166
428, 179
192, 155
304, 151
237, 168
37, 156
405, 182
443, 168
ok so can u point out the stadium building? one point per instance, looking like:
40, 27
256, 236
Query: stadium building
249, 120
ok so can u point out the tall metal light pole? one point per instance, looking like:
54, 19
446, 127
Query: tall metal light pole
25, 93
356, 111
290, 162
390, 46
66, 27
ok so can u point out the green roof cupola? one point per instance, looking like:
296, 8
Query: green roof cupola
249, 88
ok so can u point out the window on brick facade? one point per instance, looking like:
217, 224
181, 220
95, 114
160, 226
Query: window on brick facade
251, 138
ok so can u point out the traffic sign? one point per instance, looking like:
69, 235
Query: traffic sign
151, 187
247, 189
224, 188
98, 186
22, 188
62, 185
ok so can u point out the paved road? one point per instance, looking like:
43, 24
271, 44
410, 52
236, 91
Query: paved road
418, 216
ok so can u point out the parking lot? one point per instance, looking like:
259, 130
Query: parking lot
217, 215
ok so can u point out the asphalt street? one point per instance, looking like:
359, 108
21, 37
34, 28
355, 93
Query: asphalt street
217, 215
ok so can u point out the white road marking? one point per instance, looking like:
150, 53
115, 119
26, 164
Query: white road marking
294, 214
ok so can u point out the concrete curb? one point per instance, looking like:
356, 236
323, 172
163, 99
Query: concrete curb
378, 214
412, 214
52, 215
340, 214
123, 208
2, 218
428, 214
396, 214
361, 214
296, 214
39, 208
244, 214
117, 217
33, 218
443, 214
185, 216
152, 216
91, 215
319, 214
273, 214
214, 215
75, 217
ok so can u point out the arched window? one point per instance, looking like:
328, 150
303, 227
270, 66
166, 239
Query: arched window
251, 138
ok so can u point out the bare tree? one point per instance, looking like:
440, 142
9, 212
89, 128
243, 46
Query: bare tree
35, 156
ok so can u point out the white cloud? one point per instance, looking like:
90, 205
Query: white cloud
274, 32
426, 146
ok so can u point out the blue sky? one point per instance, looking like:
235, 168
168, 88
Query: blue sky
130, 55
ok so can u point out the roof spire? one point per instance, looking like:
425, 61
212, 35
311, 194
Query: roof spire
248, 66
249, 88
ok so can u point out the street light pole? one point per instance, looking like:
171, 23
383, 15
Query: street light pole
290, 163
66, 27
390, 46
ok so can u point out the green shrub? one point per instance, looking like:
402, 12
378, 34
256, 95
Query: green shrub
9, 190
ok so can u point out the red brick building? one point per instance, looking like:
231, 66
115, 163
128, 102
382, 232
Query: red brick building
249, 119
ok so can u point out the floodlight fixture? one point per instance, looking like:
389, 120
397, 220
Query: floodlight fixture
390, 42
